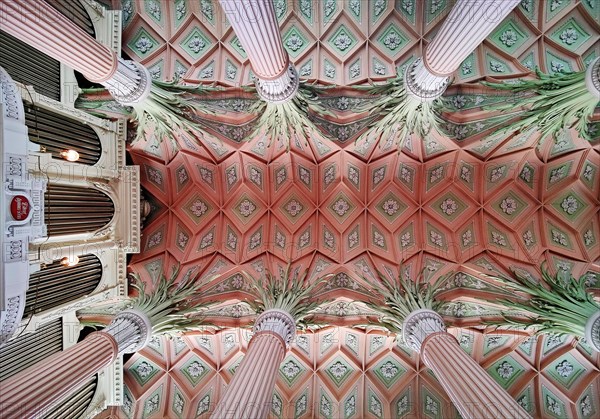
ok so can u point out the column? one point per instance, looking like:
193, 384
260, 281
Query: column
35, 390
592, 78
592, 327
44, 28
472, 390
249, 395
467, 25
255, 24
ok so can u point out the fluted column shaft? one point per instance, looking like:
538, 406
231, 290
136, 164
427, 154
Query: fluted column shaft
472, 390
467, 25
35, 390
249, 393
255, 24
44, 28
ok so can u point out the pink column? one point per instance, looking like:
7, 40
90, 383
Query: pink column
472, 390
255, 24
44, 28
249, 395
35, 390
467, 25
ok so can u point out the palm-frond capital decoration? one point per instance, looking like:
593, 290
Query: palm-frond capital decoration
552, 102
560, 304
410, 308
288, 298
289, 120
404, 112
169, 308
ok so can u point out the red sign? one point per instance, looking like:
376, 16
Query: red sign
20, 207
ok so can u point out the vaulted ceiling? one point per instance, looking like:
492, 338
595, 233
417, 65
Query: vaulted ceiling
464, 200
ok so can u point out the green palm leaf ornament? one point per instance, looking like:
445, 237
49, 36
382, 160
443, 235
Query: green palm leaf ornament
402, 297
402, 113
560, 304
170, 307
289, 292
552, 102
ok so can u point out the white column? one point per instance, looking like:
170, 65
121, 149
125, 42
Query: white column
467, 25
255, 24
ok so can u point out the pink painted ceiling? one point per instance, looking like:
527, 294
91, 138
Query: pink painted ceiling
344, 372
465, 201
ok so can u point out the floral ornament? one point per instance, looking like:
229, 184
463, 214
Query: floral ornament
588, 238
246, 208
508, 206
435, 238
553, 406
195, 369
559, 238
392, 40
290, 369
564, 369
144, 44
586, 406
151, 404
198, 208
144, 369
294, 42
497, 66
196, 44
508, 38
505, 370
569, 36
497, 173
467, 67
467, 237
376, 407
459, 101
498, 239
338, 369
557, 66
341, 207
342, 41
526, 174
431, 405
465, 174
294, 208
528, 238
449, 206
388, 370
180, 10
390, 207
570, 205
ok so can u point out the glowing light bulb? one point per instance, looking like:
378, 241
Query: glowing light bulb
69, 260
70, 155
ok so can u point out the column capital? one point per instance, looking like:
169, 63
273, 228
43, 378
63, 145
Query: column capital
130, 84
592, 327
280, 89
131, 329
592, 78
418, 325
422, 84
276, 321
